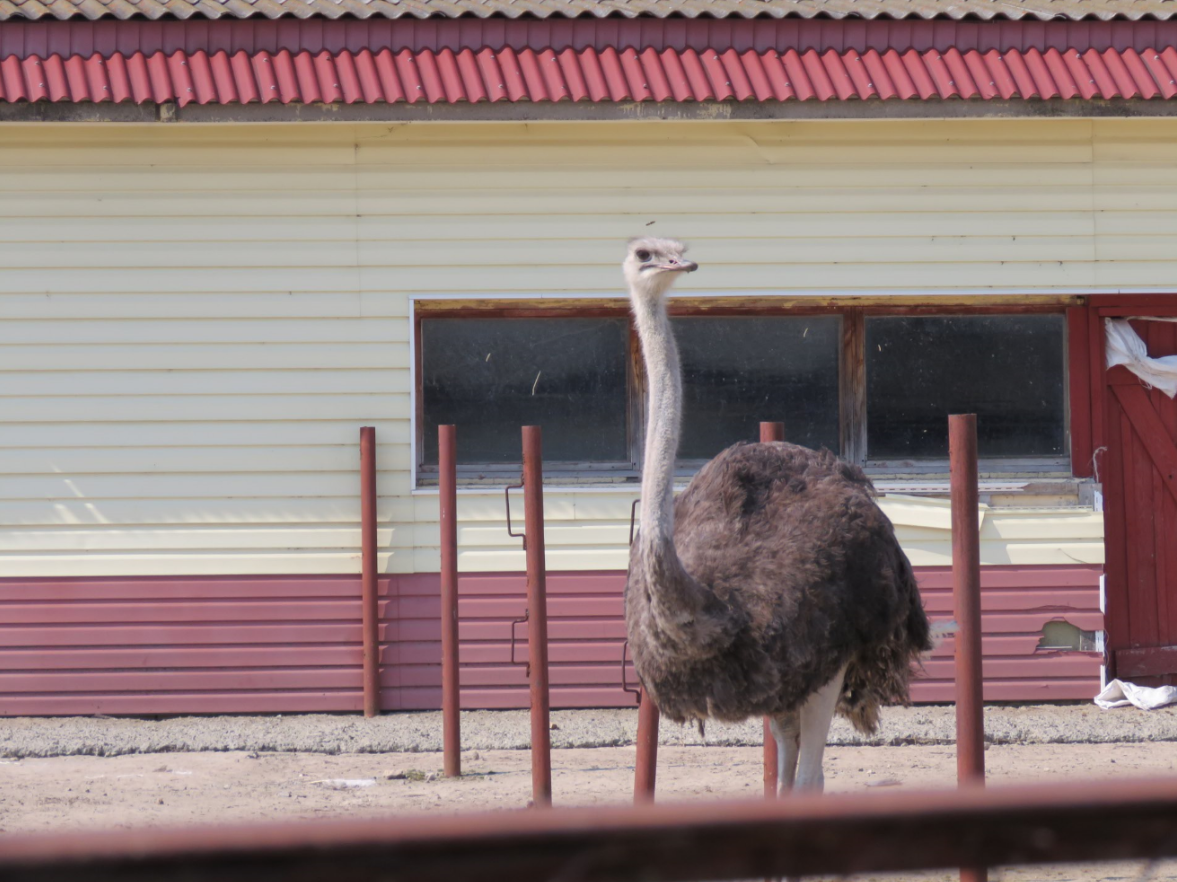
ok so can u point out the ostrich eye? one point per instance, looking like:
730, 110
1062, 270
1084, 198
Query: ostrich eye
643, 256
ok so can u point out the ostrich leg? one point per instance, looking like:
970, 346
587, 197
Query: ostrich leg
786, 730
816, 715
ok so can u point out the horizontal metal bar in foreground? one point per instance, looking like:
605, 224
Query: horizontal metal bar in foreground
800, 835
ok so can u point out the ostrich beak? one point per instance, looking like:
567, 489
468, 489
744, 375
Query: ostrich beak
683, 266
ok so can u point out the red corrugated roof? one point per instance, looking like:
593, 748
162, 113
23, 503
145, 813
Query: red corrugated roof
1044, 10
362, 62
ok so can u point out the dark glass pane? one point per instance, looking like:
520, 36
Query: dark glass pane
1008, 370
489, 377
740, 371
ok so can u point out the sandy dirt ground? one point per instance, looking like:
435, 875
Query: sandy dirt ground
136, 790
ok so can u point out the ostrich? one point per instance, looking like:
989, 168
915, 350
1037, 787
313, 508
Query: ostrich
774, 586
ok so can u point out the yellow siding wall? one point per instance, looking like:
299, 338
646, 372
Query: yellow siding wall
194, 321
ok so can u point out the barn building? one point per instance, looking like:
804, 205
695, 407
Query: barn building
235, 231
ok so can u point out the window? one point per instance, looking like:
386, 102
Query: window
565, 374
1008, 370
873, 384
739, 371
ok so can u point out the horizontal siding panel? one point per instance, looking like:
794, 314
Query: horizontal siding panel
166, 202
934, 554
283, 146
769, 146
248, 252
394, 230
741, 224
203, 634
608, 673
172, 460
204, 657
821, 172
197, 177
1021, 526
1017, 600
645, 202
727, 255
751, 277
1154, 273
124, 513
193, 645
561, 534
1111, 225
191, 305
224, 485
196, 326
255, 562
241, 433
1036, 691
273, 228
159, 611
295, 609
1055, 553
41, 682
189, 279
175, 589
1134, 248
1026, 578
828, 165
155, 331
1132, 198
72, 704
332, 305
202, 356
205, 408
507, 560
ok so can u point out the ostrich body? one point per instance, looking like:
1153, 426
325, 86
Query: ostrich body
775, 585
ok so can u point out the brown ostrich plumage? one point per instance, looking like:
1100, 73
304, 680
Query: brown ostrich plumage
774, 585
804, 576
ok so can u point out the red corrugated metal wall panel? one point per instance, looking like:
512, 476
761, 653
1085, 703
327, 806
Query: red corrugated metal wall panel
451, 62
179, 645
286, 644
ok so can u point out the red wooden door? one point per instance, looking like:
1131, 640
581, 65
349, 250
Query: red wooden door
1140, 515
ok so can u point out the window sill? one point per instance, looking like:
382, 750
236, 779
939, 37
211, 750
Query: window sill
1023, 492
1026, 491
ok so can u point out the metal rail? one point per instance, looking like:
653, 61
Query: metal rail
966, 593
802, 835
369, 589
448, 520
635, 691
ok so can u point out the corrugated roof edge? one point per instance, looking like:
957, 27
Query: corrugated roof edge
983, 10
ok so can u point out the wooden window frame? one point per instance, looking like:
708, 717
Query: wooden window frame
851, 384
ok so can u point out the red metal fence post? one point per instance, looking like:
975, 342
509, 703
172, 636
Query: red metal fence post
645, 767
966, 592
370, 611
448, 520
771, 432
537, 623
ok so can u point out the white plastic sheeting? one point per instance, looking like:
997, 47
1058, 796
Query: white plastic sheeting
1125, 347
1118, 693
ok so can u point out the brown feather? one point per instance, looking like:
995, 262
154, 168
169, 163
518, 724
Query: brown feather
801, 574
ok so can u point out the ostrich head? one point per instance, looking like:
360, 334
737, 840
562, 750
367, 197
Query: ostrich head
651, 265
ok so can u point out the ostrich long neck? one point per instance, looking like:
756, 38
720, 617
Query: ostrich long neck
664, 376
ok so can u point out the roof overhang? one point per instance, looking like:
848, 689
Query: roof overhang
1041, 10
702, 111
589, 69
